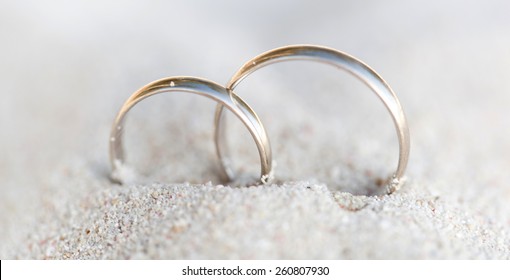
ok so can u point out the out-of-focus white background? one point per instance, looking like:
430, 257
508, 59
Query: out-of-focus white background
67, 66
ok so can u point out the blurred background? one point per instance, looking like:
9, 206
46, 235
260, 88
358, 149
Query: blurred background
66, 67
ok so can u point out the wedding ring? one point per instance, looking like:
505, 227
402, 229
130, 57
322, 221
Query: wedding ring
209, 89
343, 61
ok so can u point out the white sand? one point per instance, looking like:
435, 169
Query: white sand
67, 68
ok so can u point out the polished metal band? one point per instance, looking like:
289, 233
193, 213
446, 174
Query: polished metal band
337, 59
202, 87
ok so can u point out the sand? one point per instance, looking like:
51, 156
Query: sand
67, 68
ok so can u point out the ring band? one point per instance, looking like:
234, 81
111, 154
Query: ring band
209, 89
340, 60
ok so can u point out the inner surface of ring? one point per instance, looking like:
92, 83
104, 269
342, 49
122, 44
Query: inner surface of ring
351, 65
